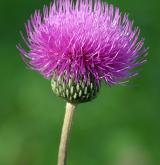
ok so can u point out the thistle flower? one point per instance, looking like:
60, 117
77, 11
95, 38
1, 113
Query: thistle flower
77, 45
85, 41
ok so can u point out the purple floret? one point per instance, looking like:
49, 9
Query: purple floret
81, 39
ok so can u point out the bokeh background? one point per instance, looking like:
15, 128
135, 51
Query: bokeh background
120, 127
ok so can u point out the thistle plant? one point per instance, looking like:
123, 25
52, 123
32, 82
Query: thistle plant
79, 45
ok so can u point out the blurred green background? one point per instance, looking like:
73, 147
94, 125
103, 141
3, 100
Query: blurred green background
120, 127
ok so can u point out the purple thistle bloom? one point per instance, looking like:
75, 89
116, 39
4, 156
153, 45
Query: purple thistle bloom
81, 39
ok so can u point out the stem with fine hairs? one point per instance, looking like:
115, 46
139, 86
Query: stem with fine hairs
62, 155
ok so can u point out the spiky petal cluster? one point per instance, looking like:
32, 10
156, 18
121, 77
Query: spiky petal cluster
82, 39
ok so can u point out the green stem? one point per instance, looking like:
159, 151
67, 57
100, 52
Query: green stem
62, 155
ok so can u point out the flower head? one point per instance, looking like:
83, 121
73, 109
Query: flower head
83, 40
